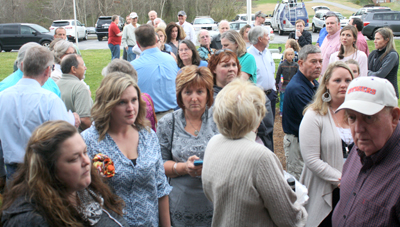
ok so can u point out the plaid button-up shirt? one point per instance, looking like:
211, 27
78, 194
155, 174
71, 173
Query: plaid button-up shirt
370, 191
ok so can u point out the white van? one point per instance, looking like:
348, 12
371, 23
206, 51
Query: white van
286, 14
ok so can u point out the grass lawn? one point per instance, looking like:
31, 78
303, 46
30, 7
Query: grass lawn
96, 60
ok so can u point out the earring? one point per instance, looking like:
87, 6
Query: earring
326, 97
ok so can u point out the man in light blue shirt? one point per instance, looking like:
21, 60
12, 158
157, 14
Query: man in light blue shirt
12, 79
259, 37
27, 105
156, 71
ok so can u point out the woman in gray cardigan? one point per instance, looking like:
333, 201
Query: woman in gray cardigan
325, 138
243, 179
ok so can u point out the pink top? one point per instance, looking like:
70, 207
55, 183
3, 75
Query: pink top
330, 45
150, 114
359, 56
362, 43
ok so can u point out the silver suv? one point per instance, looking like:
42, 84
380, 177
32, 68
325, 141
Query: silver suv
318, 21
365, 10
204, 22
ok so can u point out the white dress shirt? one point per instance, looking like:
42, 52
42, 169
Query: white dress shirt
189, 30
265, 68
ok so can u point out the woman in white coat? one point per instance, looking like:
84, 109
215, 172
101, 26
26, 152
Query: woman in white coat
325, 140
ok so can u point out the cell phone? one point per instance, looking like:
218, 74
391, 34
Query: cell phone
198, 162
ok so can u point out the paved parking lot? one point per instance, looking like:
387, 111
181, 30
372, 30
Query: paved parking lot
93, 43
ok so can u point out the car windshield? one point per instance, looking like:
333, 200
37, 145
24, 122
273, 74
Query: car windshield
341, 17
103, 21
253, 17
60, 23
39, 28
203, 21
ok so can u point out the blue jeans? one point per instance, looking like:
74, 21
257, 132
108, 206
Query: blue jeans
282, 94
115, 51
10, 170
131, 55
272, 97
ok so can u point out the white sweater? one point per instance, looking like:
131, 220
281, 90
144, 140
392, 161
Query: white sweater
245, 182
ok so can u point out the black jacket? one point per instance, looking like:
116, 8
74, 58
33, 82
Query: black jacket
216, 42
304, 39
266, 129
22, 213
387, 68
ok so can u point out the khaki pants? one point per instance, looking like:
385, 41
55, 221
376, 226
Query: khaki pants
294, 160
159, 115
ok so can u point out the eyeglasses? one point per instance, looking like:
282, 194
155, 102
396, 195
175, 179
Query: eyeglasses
222, 50
52, 67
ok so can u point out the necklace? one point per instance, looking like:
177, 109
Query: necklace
196, 132
342, 131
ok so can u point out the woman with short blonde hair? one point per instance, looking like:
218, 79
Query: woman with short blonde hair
183, 137
243, 179
122, 133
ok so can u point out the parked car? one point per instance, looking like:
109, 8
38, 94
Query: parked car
204, 22
243, 17
91, 30
286, 14
343, 21
237, 25
13, 36
319, 20
102, 26
69, 26
316, 8
365, 10
375, 20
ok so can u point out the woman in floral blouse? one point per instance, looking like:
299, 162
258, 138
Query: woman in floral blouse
121, 132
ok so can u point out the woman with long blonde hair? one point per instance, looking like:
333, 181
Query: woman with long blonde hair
325, 142
122, 133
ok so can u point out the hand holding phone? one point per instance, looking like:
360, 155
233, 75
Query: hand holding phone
198, 162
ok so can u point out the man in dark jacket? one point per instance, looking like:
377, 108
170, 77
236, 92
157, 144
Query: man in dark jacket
302, 36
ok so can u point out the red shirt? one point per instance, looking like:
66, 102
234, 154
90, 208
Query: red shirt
113, 30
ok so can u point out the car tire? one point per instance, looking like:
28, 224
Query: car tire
314, 29
86, 36
280, 31
372, 37
100, 38
7, 50
45, 44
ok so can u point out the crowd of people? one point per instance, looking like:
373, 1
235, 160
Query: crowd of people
179, 136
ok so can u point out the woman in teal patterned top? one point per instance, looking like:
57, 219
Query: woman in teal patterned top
121, 132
